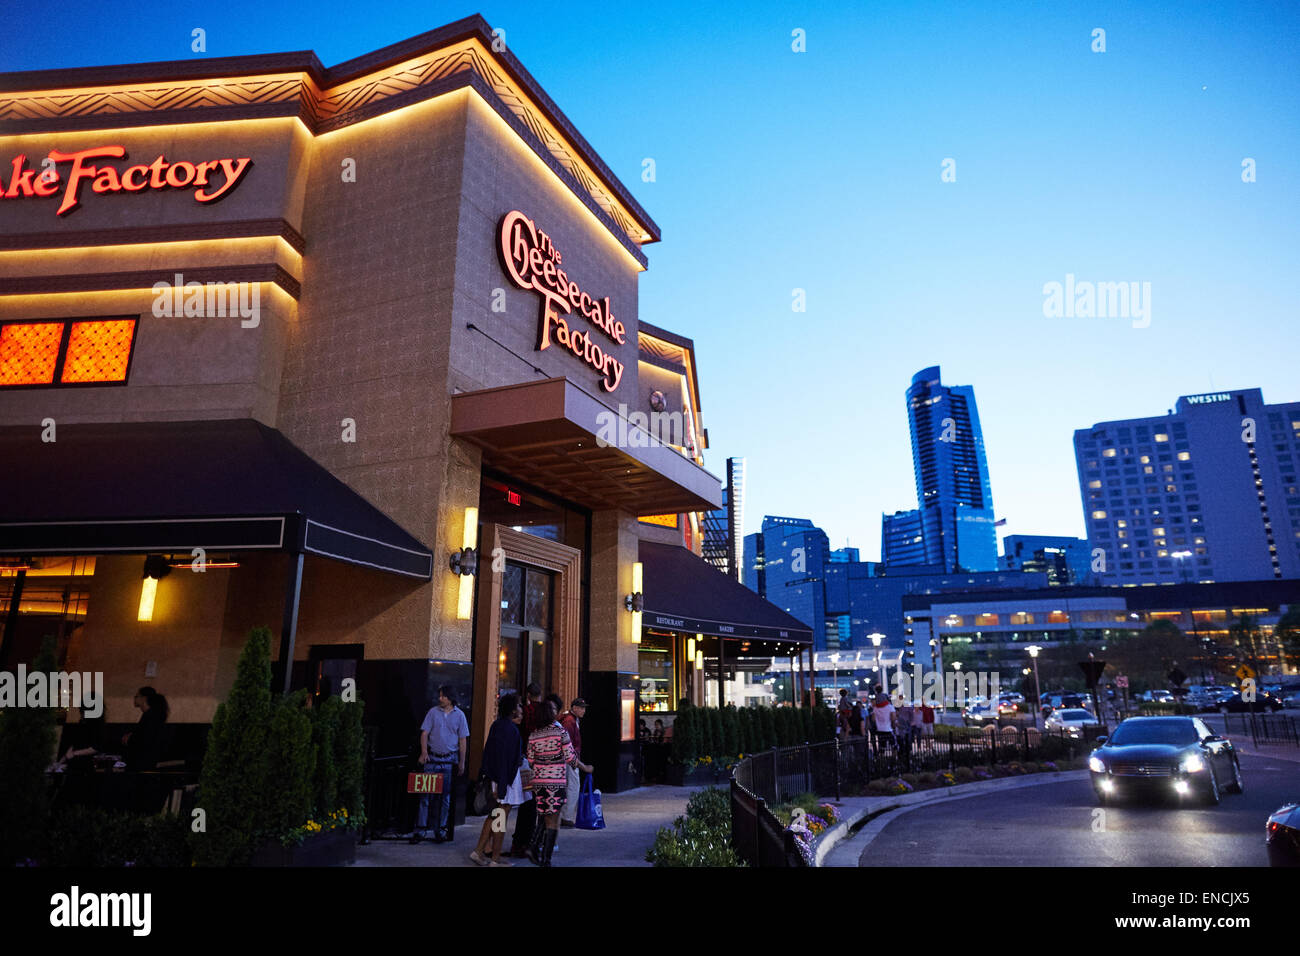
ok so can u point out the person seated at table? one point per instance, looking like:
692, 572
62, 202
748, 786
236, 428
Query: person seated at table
642, 731
659, 731
83, 738
144, 744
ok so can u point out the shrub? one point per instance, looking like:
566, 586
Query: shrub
745, 724
926, 779
324, 730
717, 741
767, 728
730, 731
692, 843
711, 806
684, 737
93, 837
350, 760
27, 744
964, 774
291, 767
233, 779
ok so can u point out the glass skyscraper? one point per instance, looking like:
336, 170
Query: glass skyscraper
952, 475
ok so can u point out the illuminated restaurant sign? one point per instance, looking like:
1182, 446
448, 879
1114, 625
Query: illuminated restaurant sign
210, 180
532, 262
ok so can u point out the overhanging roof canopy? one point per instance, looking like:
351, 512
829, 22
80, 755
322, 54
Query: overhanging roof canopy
230, 485
546, 433
683, 592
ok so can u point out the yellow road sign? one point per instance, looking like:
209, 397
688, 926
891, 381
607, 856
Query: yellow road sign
1244, 673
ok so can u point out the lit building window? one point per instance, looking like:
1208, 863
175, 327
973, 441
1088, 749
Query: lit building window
93, 352
1099, 514
986, 620
1161, 436
1108, 453
1095, 483
1184, 456
28, 352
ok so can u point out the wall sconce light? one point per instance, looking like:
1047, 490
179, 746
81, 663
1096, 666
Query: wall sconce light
699, 658
155, 569
690, 647
465, 563
635, 601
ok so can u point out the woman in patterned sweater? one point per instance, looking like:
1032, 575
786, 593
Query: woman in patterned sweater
550, 751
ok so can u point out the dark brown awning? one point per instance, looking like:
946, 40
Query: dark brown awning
545, 433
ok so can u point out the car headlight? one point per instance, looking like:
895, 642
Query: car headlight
1193, 764
1095, 765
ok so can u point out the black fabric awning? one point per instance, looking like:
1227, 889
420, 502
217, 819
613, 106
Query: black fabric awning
231, 485
683, 592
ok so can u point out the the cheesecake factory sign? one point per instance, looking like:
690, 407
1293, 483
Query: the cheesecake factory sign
69, 174
533, 262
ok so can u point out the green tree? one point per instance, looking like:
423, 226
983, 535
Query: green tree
766, 728
1247, 639
730, 731
291, 766
350, 759
233, 779
27, 744
324, 731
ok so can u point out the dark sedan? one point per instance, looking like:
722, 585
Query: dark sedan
1235, 705
1171, 756
1282, 834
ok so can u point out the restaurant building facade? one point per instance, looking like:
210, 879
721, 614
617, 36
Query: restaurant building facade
353, 353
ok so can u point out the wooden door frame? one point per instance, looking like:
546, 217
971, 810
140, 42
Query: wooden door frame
499, 543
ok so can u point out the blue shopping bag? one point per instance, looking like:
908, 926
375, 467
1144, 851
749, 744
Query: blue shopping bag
590, 815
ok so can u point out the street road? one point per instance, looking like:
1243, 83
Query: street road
1057, 825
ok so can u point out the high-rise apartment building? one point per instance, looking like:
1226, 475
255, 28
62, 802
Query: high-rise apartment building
952, 475
902, 541
1207, 492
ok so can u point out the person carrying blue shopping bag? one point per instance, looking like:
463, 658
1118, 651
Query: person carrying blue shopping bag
590, 814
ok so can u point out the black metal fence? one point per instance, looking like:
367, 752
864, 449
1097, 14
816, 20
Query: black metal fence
1281, 729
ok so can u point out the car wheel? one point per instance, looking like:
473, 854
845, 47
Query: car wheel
1238, 785
1212, 791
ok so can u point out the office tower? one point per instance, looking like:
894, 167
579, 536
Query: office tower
1065, 560
901, 541
952, 475
1207, 492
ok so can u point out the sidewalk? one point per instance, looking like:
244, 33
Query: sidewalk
631, 820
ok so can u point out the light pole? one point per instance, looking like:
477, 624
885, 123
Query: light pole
876, 638
956, 665
1033, 650
835, 675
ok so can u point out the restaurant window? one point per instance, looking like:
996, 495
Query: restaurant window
986, 620
36, 354
655, 668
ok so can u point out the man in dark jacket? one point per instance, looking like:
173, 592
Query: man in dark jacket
570, 721
502, 756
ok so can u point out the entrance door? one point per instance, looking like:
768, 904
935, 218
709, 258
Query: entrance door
527, 609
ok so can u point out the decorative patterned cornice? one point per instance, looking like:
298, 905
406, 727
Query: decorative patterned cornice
294, 85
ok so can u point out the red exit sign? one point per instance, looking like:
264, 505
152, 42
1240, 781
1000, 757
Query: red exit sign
514, 498
426, 783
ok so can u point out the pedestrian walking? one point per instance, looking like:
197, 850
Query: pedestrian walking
526, 818
918, 720
503, 757
843, 710
549, 752
856, 719
571, 722
927, 720
444, 736
883, 719
903, 721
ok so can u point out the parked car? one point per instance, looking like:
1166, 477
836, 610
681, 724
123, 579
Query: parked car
1292, 701
1262, 703
1175, 756
977, 714
1157, 697
1072, 720
1282, 836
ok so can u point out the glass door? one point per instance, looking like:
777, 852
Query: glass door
527, 599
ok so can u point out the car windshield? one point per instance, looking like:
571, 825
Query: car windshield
1174, 732
1075, 715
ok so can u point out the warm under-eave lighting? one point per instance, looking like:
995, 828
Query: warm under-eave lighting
148, 591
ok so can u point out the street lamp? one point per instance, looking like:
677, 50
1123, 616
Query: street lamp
835, 673
1033, 650
876, 638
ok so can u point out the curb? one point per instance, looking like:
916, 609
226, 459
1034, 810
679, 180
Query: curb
884, 805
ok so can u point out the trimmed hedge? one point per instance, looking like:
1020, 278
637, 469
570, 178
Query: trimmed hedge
700, 732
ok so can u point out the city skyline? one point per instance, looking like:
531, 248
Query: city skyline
1065, 164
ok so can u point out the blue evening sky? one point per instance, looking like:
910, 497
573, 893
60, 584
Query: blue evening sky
821, 170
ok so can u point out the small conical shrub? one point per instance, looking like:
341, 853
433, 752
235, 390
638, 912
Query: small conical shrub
27, 744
